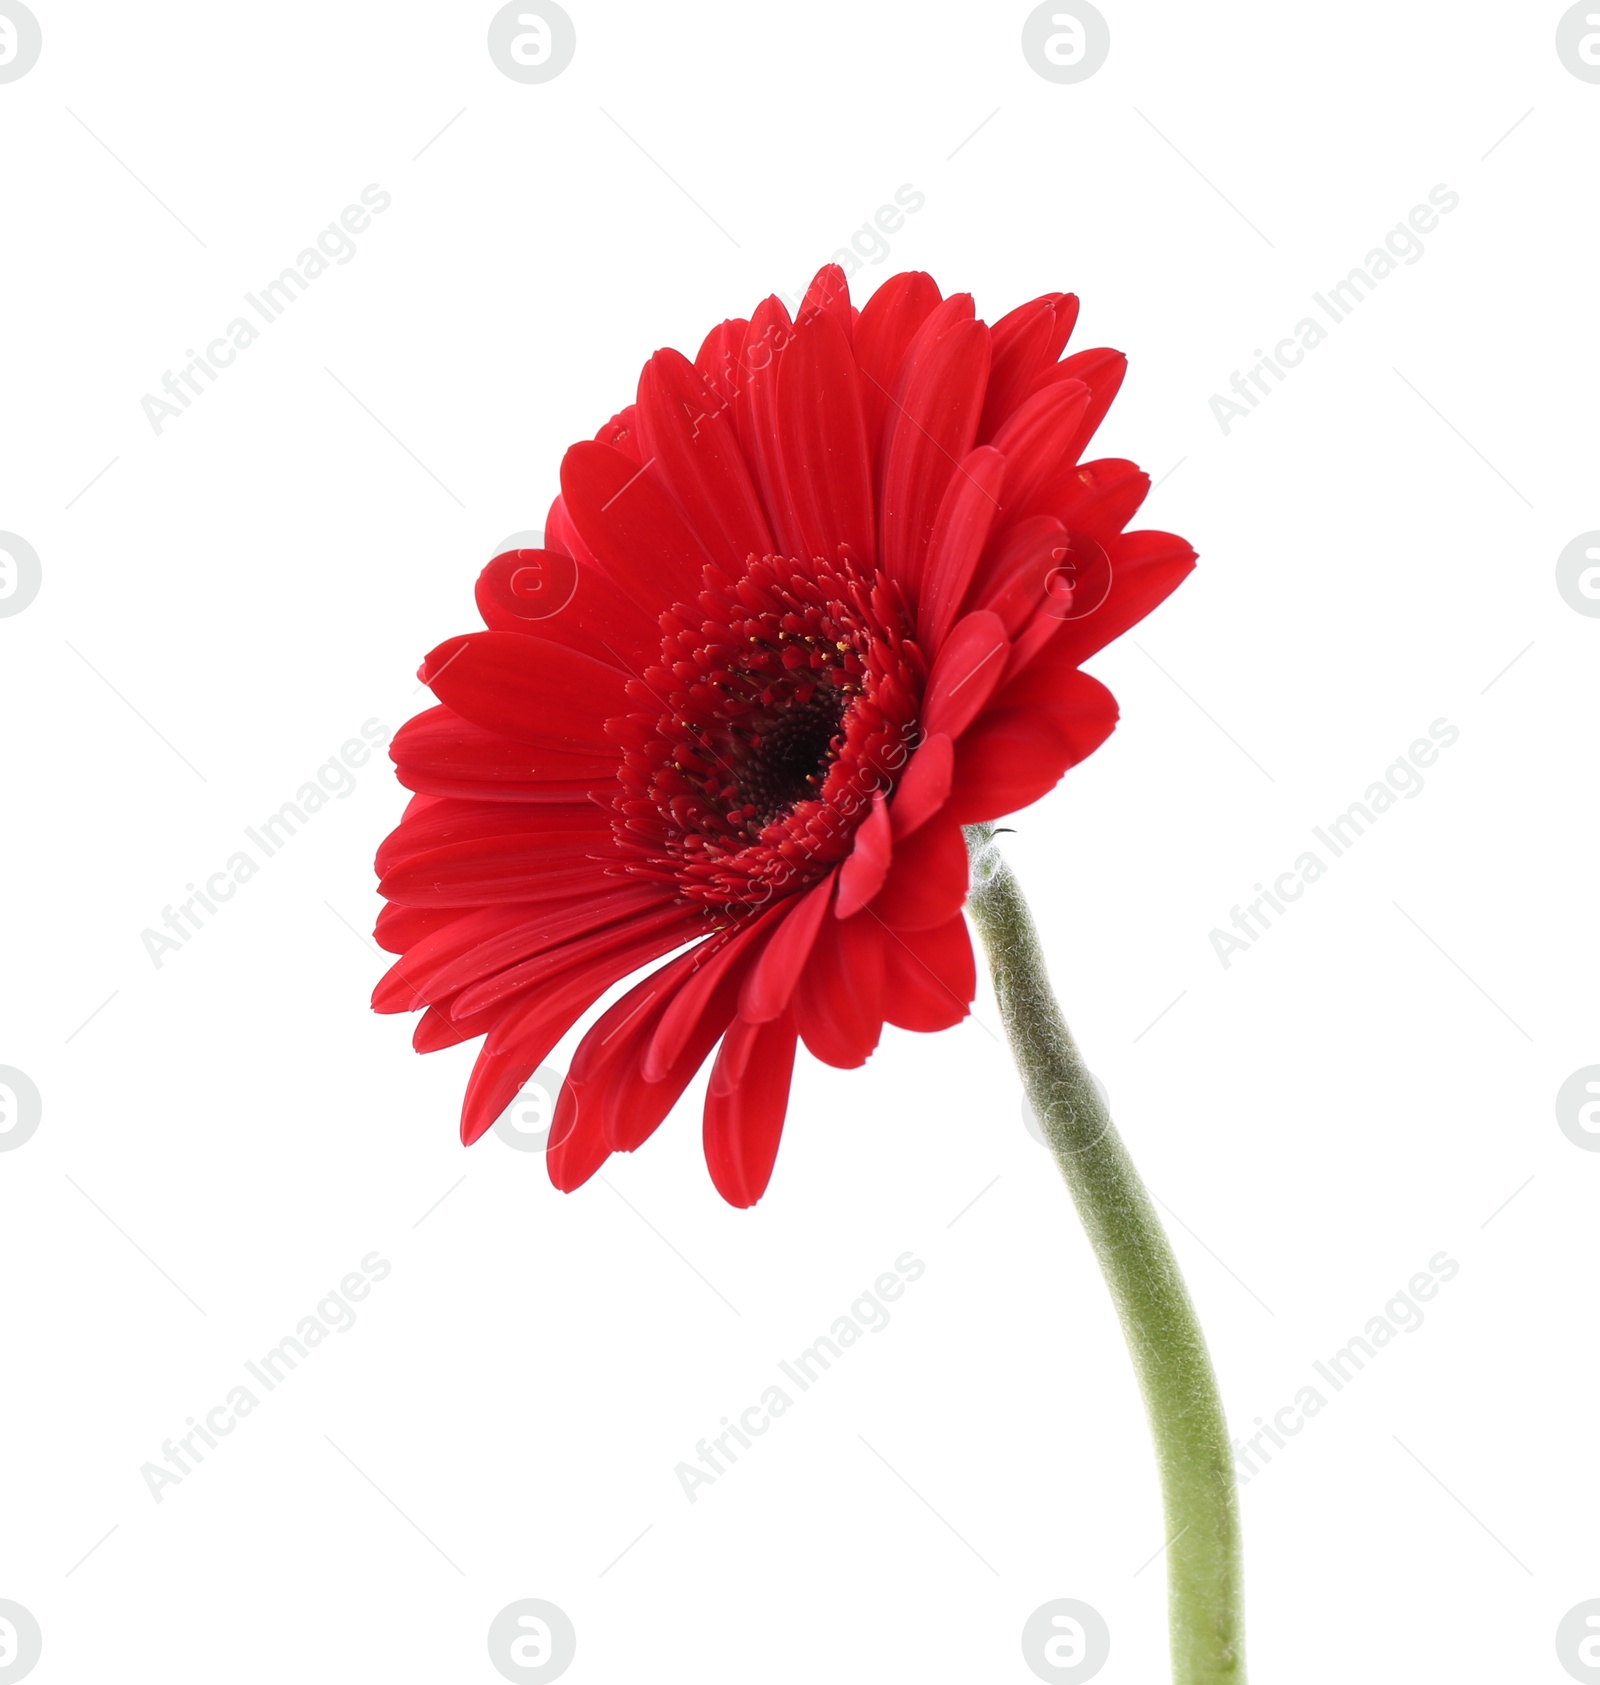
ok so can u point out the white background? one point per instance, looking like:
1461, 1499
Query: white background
1364, 1088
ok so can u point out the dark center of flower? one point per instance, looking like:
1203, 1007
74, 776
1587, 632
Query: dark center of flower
783, 701
787, 754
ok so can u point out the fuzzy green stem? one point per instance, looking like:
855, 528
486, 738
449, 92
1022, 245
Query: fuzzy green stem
1205, 1595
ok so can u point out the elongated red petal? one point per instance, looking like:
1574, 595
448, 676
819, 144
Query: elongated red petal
756, 416
926, 785
1146, 568
744, 1120
436, 1029
633, 1108
931, 976
649, 934
888, 325
577, 1147
689, 431
398, 928
822, 445
605, 1105
446, 821
863, 874
1015, 577
441, 754
772, 979
1036, 439
553, 923
407, 985
531, 690
966, 516
1098, 497
928, 881
839, 1006
634, 529
830, 291
719, 360
523, 1036
931, 425
520, 867
1027, 341
718, 957
1012, 756
1102, 371
970, 665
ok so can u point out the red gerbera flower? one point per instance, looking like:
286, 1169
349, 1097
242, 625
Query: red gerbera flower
811, 604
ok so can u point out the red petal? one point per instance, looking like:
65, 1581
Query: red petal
1099, 497
636, 532
1012, 756
1037, 439
965, 673
530, 690
1014, 578
756, 415
405, 986
715, 959
928, 881
436, 1029
535, 930
561, 534
839, 1004
549, 594
1026, 341
632, 1108
772, 979
931, 427
525, 866
525, 1033
399, 928
1101, 370
822, 447
961, 529
445, 755
1146, 568
830, 291
521, 589
862, 875
925, 787
620, 432
646, 935
690, 435
1077, 586
605, 1105
889, 322
717, 362
577, 1145
744, 1121
932, 976
448, 821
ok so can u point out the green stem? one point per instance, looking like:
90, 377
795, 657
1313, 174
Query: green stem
1205, 1596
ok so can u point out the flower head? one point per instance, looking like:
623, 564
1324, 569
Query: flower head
812, 603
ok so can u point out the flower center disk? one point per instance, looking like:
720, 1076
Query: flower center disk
781, 703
